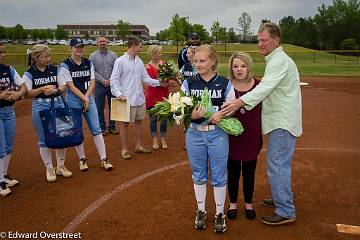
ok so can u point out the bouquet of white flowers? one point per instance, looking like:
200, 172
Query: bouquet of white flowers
178, 107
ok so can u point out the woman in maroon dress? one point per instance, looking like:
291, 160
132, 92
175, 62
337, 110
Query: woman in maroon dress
154, 95
244, 149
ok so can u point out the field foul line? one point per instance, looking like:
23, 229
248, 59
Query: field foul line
98, 203
350, 229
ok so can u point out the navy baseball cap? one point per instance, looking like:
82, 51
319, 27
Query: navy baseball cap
75, 42
193, 35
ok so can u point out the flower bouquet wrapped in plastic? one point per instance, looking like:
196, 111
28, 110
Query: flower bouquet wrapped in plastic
178, 107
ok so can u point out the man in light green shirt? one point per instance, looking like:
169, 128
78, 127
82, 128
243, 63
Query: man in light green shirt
280, 94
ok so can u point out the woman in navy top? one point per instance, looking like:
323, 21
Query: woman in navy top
12, 88
44, 86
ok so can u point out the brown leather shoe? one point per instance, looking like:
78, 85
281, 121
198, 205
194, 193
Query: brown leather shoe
276, 219
268, 202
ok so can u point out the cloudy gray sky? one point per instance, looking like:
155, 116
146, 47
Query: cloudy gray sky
155, 14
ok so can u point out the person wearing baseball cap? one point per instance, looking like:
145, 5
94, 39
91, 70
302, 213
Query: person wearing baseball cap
78, 72
194, 40
76, 42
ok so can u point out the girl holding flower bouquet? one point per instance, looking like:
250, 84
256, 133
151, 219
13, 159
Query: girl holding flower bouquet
154, 95
207, 145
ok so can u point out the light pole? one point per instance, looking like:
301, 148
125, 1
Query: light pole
188, 28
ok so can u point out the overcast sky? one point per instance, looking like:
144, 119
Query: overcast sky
155, 14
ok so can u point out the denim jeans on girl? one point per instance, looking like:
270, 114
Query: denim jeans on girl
208, 148
281, 145
153, 126
91, 116
7, 130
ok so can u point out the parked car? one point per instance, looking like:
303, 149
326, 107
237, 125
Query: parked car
54, 42
63, 42
29, 42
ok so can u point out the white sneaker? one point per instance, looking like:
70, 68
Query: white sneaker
4, 189
9, 181
83, 165
50, 175
61, 170
106, 164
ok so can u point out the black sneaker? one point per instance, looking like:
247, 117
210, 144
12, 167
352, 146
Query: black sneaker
200, 220
232, 214
220, 223
268, 202
104, 133
113, 131
276, 219
10, 182
250, 214
4, 189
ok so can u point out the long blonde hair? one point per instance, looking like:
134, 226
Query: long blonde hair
212, 54
36, 51
246, 58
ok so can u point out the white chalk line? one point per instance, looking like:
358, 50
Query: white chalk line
98, 203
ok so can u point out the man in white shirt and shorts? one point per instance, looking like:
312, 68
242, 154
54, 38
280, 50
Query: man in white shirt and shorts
126, 85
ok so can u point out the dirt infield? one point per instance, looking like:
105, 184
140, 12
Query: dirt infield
151, 196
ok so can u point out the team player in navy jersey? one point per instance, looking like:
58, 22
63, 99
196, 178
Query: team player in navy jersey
188, 69
12, 88
44, 86
207, 145
79, 75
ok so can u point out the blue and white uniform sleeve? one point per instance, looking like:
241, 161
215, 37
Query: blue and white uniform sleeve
28, 80
115, 85
185, 88
230, 92
64, 75
59, 81
17, 79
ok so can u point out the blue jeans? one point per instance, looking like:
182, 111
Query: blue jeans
36, 121
7, 130
208, 148
91, 116
281, 145
153, 126
100, 93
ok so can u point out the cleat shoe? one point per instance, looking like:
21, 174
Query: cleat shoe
83, 165
61, 170
4, 189
50, 175
200, 220
276, 219
9, 181
106, 164
220, 224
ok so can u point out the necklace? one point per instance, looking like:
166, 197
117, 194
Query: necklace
242, 110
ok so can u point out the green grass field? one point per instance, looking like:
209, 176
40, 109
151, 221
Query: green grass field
310, 62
